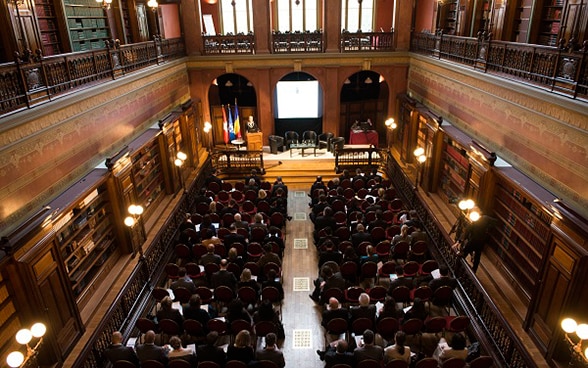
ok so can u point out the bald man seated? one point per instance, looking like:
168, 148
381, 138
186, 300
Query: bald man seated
117, 351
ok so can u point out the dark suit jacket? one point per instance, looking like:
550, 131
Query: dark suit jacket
223, 278
368, 312
332, 358
151, 352
401, 281
210, 258
322, 222
117, 352
335, 281
359, 237
231, 238
207, 353
329, 314
185, 284
374, 352
330, 255
273, 355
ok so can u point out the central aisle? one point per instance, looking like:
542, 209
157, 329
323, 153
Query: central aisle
301, 318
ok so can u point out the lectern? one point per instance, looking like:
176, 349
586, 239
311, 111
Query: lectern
255, 141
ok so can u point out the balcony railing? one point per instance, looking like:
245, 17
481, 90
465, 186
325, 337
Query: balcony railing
24, 84
557, 70
290, 42
229, 44
367, 41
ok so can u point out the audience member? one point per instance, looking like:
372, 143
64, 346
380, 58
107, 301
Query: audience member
234, 237
193, 310
213, 177
398, 350
367, 349
149, 351
318, 184
456, 349
337, 353
403, 236
268, 257
266, 313
167, 311
187, 224
443, 280
179, 352
360, 236
236, 311
400, 280
245, 280
253, 175
210, 256
258, 223
241, 349
183, 281
326, 281
117, 351
371, 255
329, 254
234, 257
279, 184
418, 310
364, 310
334, 310
476, 235
318, 208
272, 282
223, 277
389, 310
271, 351
239, 223
209, 352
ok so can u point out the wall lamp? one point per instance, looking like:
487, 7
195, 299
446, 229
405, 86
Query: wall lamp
419, 153
570, 326
23, 337
105, 3
179, 162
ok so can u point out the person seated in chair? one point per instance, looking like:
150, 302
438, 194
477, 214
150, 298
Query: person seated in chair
117, 351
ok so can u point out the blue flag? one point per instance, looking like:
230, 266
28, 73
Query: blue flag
231, 127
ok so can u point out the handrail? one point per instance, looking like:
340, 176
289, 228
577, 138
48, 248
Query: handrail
229, 44
237, 160
27, 83
557, 70
291, 42
367, 41
488, 325
358, 157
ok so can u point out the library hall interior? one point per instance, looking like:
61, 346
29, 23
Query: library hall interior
293, 183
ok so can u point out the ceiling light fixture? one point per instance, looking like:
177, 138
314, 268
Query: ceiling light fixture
368, 80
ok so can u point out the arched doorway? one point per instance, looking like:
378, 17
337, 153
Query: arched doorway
364, 96
298, 105
231, 97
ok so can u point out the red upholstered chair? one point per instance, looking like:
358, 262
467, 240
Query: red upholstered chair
396, 363
427, 363
198, 250
332, 293
418, 251
223, 197
359, 325
368, 363
349, 271
377, 294
159, 293
401, 250
412, 327
368, 270
208, 365
387, 269
247, 295
223, 295
378, 234
392, 231
428, 266
214, 187
453, 363
456, 324
206, 295
423, 292
183, 252
264, 206
124, 364
171, 269
442, 297
401, 294
235, 364
396, 205
218, 325
249, 207
194, 329
168, 328
178, 363
254, 250
352, 294
435, 325
387, 328
253, 267
383, 250
482, 362
227, 186
235, 269
152, 364
182, 295
240, 325
343, 233
336, 327
193, 270
277, 220
145, 324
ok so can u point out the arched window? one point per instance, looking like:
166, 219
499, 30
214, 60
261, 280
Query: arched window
357, 15
297, 15
237, 16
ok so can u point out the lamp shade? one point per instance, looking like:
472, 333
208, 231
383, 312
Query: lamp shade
129, 221
568, 325
419, 151
182, 156
15, 359
38, 329
24, 336
582, 331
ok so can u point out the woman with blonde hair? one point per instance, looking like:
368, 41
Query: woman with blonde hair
246, 280
241, 349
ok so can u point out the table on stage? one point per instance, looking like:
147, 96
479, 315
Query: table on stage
363, 137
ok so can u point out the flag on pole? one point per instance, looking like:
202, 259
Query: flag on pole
237, 125
225, 125
231, 127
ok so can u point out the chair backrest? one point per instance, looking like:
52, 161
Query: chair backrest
453, 363
423, 292
266, 364
429, 266
348, 270
182, 295
205, 294
387, 327
401, 294
262, 328
178, 363
309, 135
208, 364
271, 293
359, 325
427, 363
337, 326
388, 268
368, 363
482, 362
410, 268
458, 323
124, 364
369, 270
247, 295
291, 137
377, 294
182, 251
401, 249
192, 269
223, 294
396, 363
236, 363
378, 234
435, 324
159, 293
152, 364
145, 324
443, 295
193, 328
412, 327
171, 269
169, 327
240, 325
217, 325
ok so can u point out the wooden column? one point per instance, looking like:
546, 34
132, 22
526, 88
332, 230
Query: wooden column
332, 22
262, 26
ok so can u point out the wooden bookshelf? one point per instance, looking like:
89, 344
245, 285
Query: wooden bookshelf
550, 23
87, 24
148, 176
84, 232
48, 27
522, 237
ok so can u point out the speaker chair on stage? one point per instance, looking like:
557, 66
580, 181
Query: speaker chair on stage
309, 136
276, 143
324, 140
291, 138
337, 143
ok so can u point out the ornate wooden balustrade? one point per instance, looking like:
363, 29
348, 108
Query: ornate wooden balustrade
24, 84
364, 158
289, 42
367, 41
229, 44
231, 161
557, 70
134, 299
488, 325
